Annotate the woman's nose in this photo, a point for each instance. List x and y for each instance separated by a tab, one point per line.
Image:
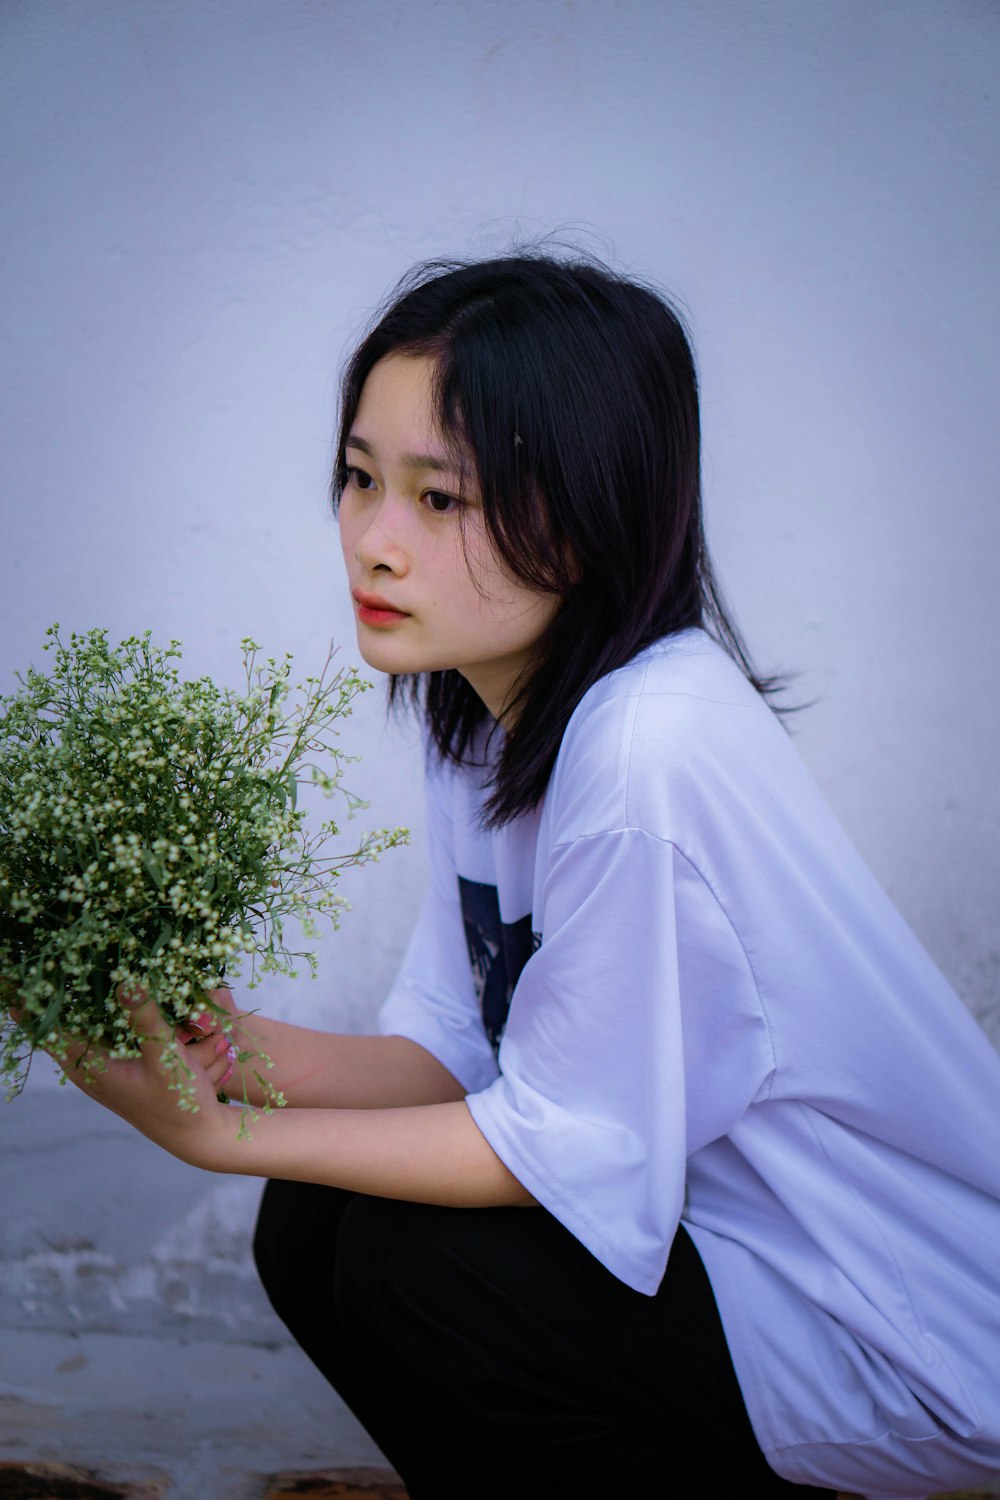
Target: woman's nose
380	543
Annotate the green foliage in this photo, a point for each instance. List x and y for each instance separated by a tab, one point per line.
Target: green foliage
151	837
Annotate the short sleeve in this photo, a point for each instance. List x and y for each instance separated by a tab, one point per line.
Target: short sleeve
433	1000
591	1112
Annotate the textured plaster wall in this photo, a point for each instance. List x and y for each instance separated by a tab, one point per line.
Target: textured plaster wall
204	201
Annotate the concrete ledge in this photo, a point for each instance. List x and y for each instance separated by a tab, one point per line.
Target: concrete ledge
66	1482
63	1482
340	1484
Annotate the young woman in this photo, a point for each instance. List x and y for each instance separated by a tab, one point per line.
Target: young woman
675	1165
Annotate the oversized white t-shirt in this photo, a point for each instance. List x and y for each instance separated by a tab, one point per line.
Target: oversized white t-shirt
716	1015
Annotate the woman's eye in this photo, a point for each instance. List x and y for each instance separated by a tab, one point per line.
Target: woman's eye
358	477
441	503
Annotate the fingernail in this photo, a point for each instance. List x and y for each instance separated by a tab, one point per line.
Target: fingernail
225	1077
222	1045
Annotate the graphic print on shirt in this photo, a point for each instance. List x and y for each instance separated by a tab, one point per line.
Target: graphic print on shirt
498	951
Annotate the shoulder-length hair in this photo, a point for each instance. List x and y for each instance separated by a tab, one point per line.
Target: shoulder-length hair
575	394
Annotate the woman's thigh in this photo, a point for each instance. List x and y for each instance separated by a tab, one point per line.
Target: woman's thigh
486	1349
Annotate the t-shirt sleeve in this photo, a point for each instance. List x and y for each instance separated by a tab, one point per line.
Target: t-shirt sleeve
589	1113
433	1000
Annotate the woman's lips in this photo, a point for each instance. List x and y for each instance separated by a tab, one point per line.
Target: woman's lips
374	610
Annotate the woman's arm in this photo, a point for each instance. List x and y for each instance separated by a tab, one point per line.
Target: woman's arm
427	1151
324	1070
431	1153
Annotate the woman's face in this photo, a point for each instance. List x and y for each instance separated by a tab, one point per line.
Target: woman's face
429	591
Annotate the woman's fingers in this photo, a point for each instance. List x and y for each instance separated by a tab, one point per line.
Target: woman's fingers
224	1030
223	997
146	1019
217	1055
209	1022
230	1060
74	1054
204	1040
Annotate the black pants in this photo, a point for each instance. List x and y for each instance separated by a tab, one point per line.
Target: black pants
490	1355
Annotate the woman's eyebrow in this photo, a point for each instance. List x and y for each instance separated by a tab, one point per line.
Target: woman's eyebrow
440	464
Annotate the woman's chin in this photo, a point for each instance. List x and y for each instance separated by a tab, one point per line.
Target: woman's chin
381	658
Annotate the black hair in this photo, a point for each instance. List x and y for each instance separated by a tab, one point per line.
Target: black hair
574	390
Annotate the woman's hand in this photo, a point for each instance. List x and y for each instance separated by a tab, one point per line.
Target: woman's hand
427	1149
146	1090
207	1038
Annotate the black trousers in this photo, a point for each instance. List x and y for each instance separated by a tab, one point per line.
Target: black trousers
490	1355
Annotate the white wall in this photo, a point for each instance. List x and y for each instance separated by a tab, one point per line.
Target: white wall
204	199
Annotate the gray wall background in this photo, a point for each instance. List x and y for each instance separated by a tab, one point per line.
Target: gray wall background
204	200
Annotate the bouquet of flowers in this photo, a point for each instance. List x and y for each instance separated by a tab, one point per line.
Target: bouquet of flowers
150	837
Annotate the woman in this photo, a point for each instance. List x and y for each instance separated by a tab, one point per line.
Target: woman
675	1162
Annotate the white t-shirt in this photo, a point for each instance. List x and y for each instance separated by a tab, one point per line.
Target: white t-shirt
716	1015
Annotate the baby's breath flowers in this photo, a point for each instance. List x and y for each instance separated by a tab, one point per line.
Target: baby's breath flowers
150	837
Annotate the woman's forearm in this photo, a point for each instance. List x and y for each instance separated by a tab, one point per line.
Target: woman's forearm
431	1153
324	1070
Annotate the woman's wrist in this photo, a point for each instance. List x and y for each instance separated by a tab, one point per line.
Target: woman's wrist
211	1140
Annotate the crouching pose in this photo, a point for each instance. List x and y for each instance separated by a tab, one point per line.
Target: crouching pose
675	1166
